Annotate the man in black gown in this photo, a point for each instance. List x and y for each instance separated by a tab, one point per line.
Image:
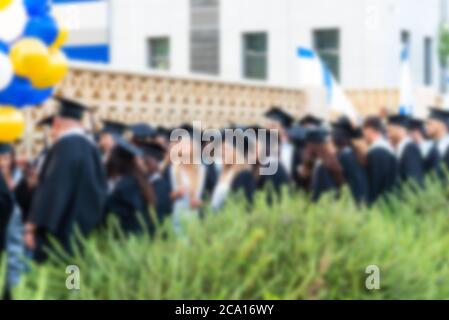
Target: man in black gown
438	130
429	150
381	161
410	160
6	206
72	185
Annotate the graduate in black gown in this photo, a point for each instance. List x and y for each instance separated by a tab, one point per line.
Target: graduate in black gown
154	154
72	185
276	150
108	135
351	161
6	207
381	163
236	178
410	160
25	189
321	166
142	133
130	197
438	130
428	148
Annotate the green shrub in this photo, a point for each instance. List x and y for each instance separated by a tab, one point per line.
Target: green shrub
293	250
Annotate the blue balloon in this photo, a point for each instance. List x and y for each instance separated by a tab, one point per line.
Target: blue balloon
16	94
4	48
20	93
38	96
44	28
37	7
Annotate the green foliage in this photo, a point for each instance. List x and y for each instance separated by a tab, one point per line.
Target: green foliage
293	250
443	49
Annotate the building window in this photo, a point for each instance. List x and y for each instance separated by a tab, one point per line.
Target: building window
159	53
255	56
428	61
205	36
327	46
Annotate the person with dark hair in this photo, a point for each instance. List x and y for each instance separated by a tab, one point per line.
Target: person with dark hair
154	154
429	151
72	185
410	161
352	162
108	136
130	196
438	130
237	176
382	166
321	167
268	155
284	151
6	201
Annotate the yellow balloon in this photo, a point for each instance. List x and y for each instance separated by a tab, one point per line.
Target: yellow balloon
61	40
12	124
5	3
56	71
29	57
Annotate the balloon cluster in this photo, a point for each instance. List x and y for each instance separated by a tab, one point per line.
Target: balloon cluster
31	60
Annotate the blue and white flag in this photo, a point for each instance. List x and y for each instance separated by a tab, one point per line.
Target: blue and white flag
407	99
314	73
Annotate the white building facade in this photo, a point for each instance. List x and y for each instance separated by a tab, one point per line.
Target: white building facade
257	40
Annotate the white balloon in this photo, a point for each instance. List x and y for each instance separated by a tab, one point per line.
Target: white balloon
6	71
13	20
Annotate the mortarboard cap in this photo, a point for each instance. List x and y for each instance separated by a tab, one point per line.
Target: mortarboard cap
142	131
399	120
126	148
343	128
70	109
163	132
154	150
311	120
46	122
278	115
114	128
416	125
317	135
5	148
297	134
440	115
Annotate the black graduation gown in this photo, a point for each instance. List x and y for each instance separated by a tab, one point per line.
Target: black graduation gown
6	207
297	161
164	204
273	184
71	192
322	182
355	175
411	166
128	204
382	173
432	163
245	183
211	179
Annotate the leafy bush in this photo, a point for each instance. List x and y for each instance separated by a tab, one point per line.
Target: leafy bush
293	250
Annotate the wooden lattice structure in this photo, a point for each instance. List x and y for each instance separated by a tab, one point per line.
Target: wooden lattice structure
164	100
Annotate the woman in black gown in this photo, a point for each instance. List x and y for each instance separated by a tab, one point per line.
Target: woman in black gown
130	196
351	160
321	167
